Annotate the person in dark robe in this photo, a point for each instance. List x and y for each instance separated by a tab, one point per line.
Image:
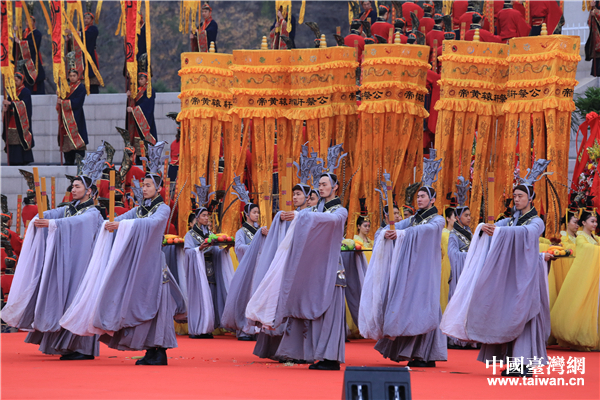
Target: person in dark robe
484	35
511	23
382	26
544	11
502	299
592	46
209	272
51	269
143	112
368	12
356	35
17	134
209	27
407	8
400	302
72	129
34	40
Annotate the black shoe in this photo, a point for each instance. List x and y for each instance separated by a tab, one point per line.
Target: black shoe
76	356
245	338
421	364
526	372
160	358
150	353
303	362
326	365
202	336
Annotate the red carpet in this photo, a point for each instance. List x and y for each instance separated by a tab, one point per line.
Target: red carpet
224	368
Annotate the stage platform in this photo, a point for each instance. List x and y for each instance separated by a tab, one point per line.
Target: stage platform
224	368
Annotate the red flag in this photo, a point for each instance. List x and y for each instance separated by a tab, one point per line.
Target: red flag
4	51
131	35
55	12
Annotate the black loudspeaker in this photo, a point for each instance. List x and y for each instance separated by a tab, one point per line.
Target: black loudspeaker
376	383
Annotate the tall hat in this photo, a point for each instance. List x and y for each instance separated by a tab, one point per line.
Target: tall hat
438	18
240	191
431	169
138	194
75	62
428	9
143	64
303	170
6	215
334	160
154	162
108	164
453	203
90	168
462	188
203	194
173	115
409	195
383	193
587	209
30	197
534	174
507	4
572	210
21	70
355	24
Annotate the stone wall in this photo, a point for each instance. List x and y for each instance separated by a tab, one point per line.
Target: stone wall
102	113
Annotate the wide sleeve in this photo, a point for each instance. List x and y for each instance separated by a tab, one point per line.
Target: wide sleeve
240	244
55	213
456	256
131	214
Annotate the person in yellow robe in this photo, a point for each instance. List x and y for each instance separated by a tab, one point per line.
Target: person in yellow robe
450	216
363	224
574	317
560	267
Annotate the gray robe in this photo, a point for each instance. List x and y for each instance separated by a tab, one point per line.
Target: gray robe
140	298
502	299
247	277
243	238
55	273
355	265
412	311
310	293
458	246
207	285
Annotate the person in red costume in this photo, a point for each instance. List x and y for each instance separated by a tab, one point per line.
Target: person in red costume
382	26
407	8
459	8
434	95
399	27
120	206
355	35
15	241
437	33
484	36
544	11
467	18
511	23
427	21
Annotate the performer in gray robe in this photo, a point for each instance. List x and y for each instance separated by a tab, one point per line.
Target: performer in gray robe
304	286
502	297
209	272
400	303
139	297
250	226
458	246
51	268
